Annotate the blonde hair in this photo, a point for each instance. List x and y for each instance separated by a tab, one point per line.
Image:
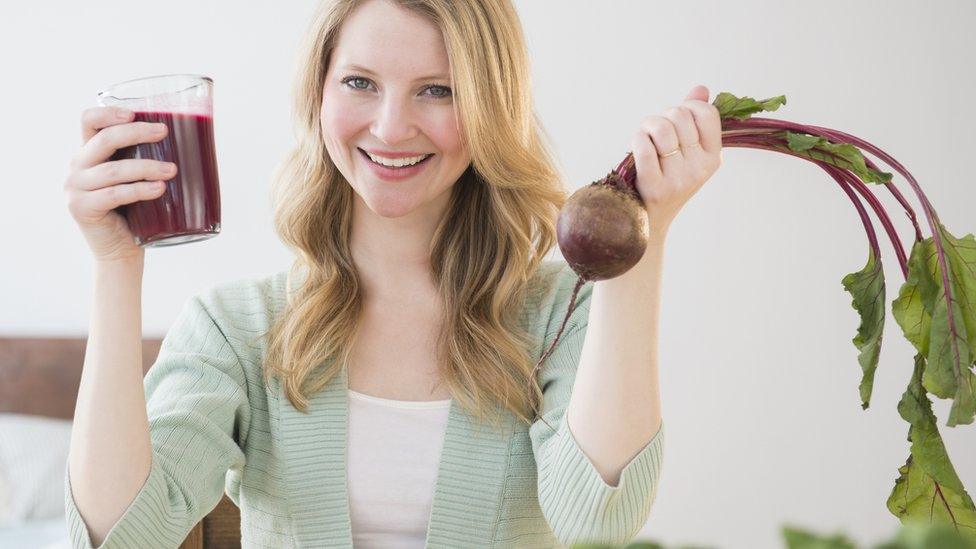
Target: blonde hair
486	250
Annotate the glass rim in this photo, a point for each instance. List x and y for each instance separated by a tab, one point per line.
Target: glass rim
201	77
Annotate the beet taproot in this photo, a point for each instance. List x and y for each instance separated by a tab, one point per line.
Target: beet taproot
603	229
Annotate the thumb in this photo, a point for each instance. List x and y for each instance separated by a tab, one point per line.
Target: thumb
699	93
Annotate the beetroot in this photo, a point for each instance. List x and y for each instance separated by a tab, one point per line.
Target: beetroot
603	230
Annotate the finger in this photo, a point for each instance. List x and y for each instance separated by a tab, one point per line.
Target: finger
665	140
699	92
709	124
123	171
684	126
96	203
103	144
688	135
645	157
96	118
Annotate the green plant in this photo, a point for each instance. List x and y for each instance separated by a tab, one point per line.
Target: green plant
910	535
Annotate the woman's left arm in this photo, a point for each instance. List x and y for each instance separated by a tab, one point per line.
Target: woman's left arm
615	407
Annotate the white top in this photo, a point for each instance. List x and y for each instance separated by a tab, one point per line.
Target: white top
394	448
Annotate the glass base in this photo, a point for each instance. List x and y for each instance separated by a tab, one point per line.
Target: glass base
176	239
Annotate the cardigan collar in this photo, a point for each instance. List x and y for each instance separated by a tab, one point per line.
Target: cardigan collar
467	495
469	489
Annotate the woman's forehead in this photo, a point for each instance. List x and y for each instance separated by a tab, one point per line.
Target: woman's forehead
384	36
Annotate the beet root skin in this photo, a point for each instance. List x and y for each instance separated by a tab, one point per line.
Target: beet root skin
602	230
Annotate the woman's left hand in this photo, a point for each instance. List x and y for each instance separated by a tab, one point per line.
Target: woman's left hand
694	130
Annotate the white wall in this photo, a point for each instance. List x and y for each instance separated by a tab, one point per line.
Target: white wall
759	375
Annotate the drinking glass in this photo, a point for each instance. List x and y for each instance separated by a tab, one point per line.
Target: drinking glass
189	209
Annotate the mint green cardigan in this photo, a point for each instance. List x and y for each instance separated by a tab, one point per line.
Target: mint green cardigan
216	427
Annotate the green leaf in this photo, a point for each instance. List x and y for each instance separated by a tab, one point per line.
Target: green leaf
913	307
867	286
928	488
842	155
800	539
730	106
955	356
927	446
915	496
632	545
941	323
921	535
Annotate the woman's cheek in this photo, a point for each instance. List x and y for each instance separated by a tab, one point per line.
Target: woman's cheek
447	134
337	120
338	129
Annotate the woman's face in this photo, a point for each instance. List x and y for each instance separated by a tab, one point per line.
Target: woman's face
388	90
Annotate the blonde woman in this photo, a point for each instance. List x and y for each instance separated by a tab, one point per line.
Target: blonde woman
379	393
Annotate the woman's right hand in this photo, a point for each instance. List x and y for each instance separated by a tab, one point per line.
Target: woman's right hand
96	185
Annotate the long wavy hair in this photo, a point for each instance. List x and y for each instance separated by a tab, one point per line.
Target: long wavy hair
486	250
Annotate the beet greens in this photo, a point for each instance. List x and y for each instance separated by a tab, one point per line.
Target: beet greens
936	306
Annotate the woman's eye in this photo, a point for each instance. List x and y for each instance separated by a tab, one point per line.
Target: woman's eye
443	91
355	79
435	91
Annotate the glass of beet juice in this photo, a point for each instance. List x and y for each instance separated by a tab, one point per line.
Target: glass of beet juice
189	210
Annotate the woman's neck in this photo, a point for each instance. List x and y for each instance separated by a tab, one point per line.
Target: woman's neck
392	255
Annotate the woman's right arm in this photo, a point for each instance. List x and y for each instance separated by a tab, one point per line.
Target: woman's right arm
149	455
198	411
110	447
111	452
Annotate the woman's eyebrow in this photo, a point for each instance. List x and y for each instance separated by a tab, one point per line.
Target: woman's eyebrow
360	68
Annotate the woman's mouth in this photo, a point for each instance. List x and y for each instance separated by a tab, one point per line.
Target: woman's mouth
390	173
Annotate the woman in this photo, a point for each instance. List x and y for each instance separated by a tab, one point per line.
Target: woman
379	393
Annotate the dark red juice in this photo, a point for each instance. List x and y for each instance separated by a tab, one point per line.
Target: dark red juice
189	210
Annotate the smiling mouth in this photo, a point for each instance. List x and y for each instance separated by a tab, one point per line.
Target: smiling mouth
366	156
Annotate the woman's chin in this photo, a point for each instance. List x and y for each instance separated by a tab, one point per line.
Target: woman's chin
390	206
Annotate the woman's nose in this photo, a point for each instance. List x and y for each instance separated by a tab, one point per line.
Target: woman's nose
394	122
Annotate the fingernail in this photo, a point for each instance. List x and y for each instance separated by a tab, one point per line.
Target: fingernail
123	114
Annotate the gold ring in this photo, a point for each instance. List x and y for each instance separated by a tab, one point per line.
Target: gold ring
676	151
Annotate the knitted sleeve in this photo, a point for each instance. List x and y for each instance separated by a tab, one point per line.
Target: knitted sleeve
197	403
578	504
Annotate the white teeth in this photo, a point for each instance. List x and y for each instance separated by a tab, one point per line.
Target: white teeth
396	162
